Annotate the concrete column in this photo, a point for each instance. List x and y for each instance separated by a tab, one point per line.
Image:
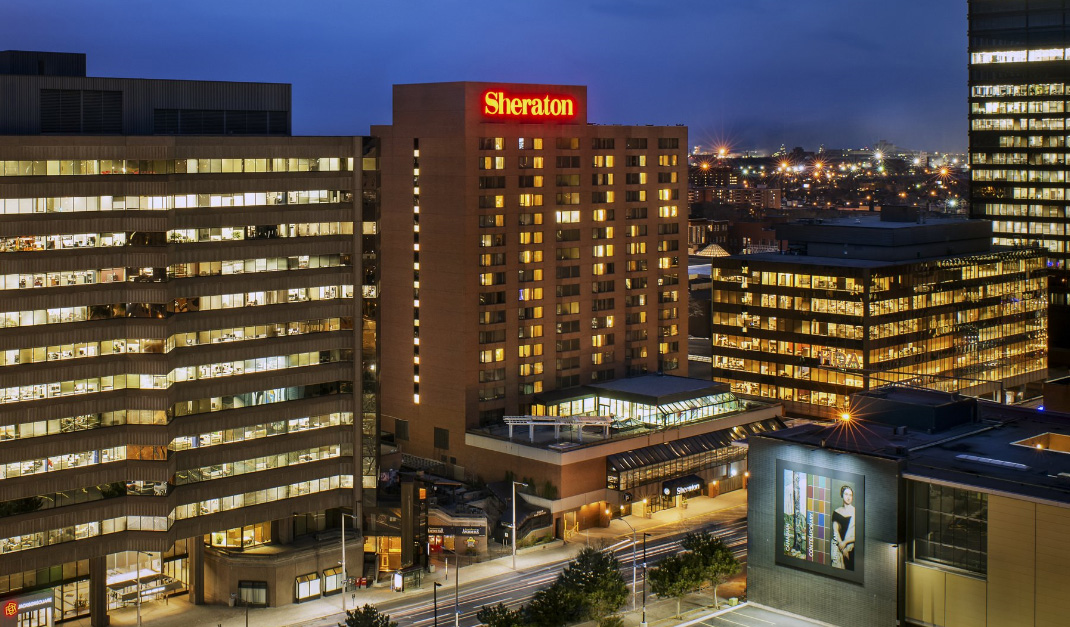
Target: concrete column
195	564
98	592
284	529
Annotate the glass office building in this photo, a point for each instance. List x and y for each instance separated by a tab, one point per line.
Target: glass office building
811	329
1019	69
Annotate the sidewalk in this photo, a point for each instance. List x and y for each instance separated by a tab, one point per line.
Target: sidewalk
179	612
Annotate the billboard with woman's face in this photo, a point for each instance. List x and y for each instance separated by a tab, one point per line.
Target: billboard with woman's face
820	515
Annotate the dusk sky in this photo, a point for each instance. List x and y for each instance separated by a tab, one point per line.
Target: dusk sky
751	73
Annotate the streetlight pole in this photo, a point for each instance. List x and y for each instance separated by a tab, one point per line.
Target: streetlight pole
457	591
634	586
138	559
435	592
645	536
516	528
345	573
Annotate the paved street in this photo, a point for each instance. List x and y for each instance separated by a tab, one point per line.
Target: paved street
487	582
751	616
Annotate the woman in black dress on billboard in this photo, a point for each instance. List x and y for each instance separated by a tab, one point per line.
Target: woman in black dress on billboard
843	531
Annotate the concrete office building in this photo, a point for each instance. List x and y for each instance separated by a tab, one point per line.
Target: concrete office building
862	302
185	363
1018	73
923	508
543	252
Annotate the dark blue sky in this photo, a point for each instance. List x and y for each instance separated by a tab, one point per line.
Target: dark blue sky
753	73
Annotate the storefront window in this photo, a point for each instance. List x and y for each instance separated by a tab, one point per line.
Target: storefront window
253	592
308	587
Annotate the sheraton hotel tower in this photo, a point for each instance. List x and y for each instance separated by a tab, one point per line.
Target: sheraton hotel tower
206	322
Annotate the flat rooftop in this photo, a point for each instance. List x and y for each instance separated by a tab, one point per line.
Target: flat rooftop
652	389
998	452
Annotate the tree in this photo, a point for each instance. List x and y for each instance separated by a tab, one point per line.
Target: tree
675	576
367	616
713	560
552	607
595	577
500	616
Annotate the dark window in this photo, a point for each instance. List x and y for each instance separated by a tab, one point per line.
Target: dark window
636	143
81	111
401	429
668	142
602	143
442	438
950	527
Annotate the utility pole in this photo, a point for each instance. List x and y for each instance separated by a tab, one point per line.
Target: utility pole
435	592
516	527
634	543
457	591
345	573
643	623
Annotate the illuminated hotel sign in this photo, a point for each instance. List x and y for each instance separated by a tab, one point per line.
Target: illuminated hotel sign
499	104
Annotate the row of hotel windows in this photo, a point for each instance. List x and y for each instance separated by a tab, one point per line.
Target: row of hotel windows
120	346
161	489
228	267
975	268
1031	89
562	198
1016	289
92	167
26	243
1017	124
160	523
1017	176
597	215
204	440
1019	56
527	238
823	399
567	162
573	143
988	343
62	315
934	325
1024	211
239	367
1017	106
77	204
1018	158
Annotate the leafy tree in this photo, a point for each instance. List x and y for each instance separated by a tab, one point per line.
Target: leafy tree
675	576
367	616
500	616
713	560
552	607
595	577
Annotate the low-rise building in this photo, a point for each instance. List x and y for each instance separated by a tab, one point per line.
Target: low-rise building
643	444
921	508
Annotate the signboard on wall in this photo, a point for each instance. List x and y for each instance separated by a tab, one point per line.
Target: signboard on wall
12	608
820	520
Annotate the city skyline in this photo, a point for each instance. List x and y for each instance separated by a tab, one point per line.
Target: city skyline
839	75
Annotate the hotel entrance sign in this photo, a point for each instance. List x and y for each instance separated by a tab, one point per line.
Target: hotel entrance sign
499	104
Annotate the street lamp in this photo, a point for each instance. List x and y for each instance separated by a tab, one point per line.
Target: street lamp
633	551
345	573
643	623
435	592
516	527
138	559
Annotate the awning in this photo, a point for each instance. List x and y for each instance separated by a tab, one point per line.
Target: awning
684	447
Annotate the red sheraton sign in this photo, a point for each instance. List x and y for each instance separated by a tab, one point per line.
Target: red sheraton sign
498	104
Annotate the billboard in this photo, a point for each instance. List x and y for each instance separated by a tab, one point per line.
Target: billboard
820	520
